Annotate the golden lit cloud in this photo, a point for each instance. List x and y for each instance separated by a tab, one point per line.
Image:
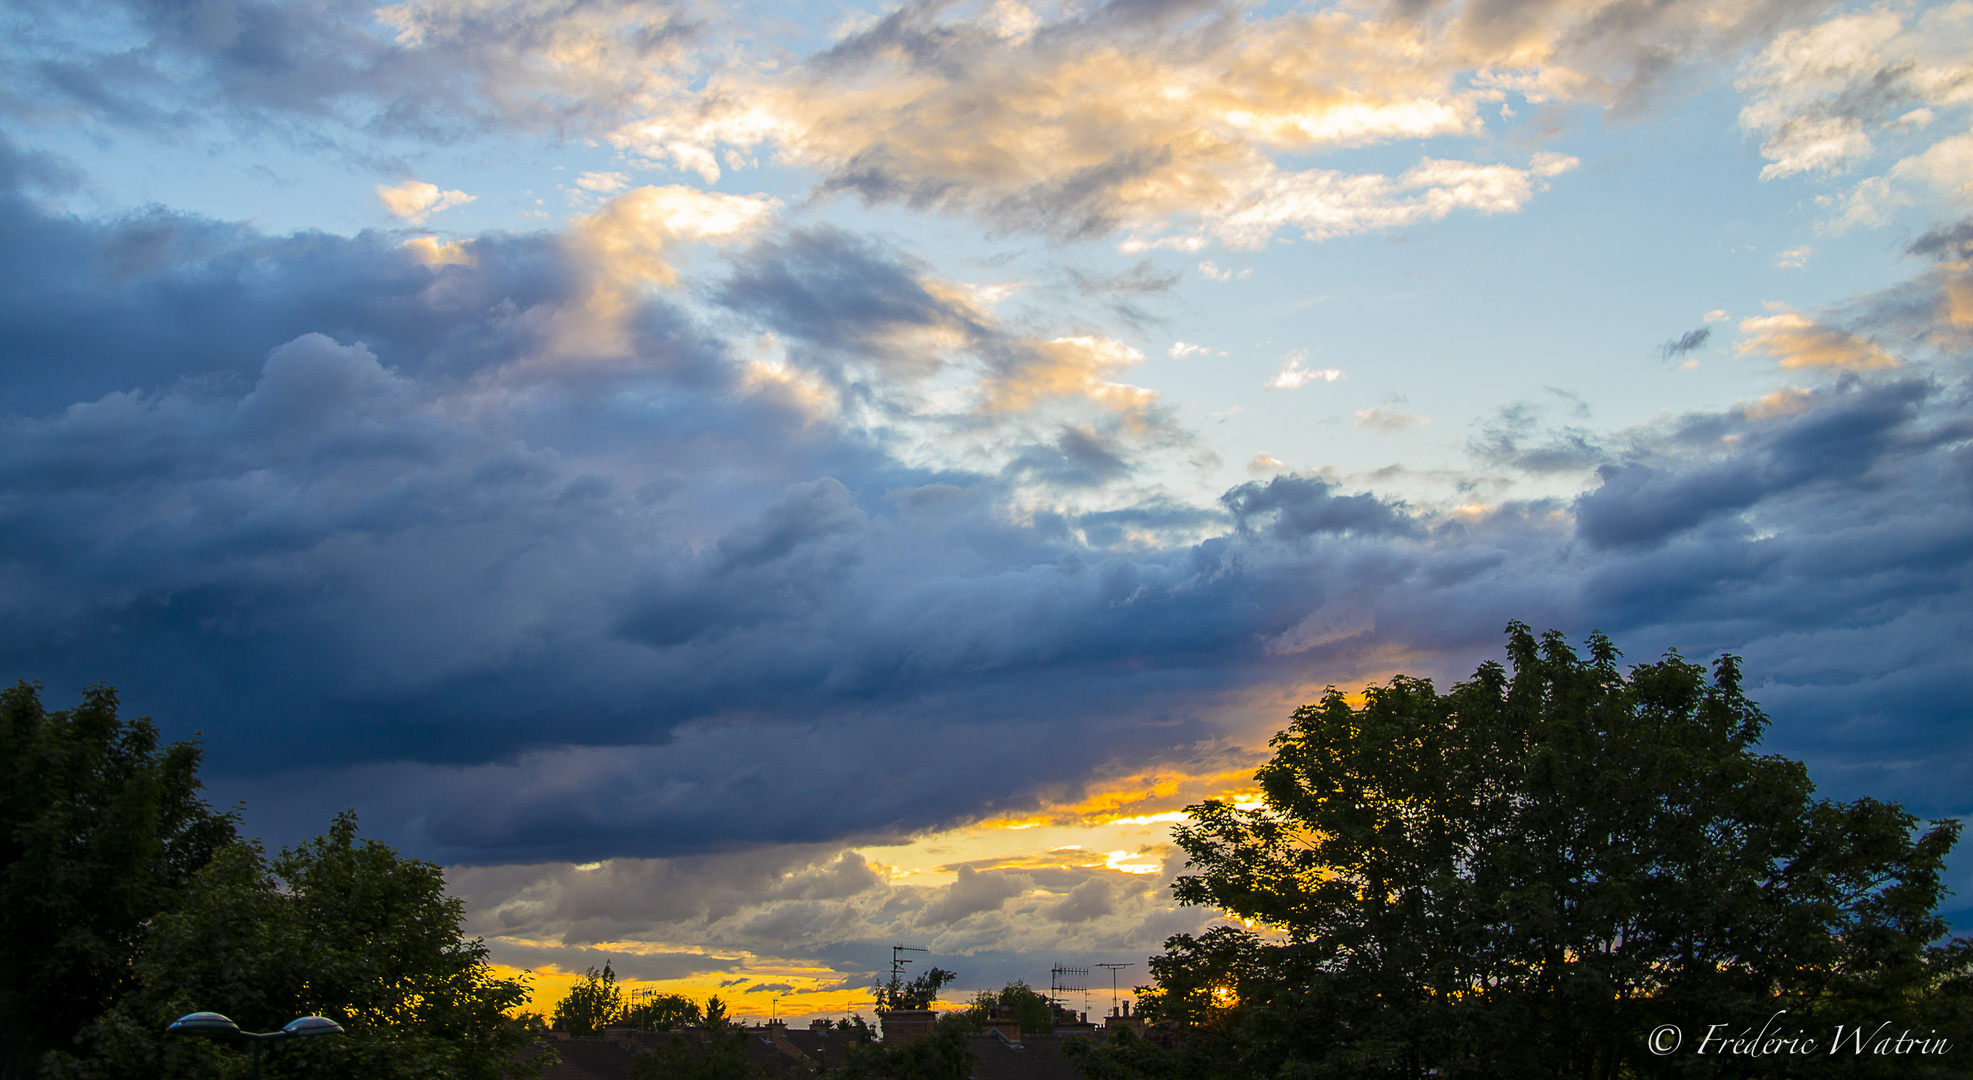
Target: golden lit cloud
1083	133
630	244
1795	341
1062	368
430	251
415	200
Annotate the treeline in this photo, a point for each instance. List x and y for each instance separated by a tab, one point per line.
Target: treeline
1555	869
126	901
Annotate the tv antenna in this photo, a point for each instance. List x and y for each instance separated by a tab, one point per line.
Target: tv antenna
1114	968
1068	980
897	972
898	961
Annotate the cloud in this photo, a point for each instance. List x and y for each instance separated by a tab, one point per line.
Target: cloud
1945	241
1689	342
603	183
1516	438
640	609
1178	126
633	241
1388	419
435	72
973	892
1145	277
1063	367
1334	621
1796	341
1168	133
415	200
1828	99
1089	900
1832	438
1293	376
1299	506
985	922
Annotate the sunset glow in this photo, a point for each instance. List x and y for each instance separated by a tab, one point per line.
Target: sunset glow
747	485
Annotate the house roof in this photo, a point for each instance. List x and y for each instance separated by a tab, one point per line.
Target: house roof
1039	1057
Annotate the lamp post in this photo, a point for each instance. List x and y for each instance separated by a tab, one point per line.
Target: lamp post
214	1026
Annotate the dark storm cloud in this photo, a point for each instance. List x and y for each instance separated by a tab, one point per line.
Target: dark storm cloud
837	291
149	300
1837	440
410	69
971	892
352	517
1293	507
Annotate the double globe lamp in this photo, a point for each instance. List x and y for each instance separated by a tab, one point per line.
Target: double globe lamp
214	1026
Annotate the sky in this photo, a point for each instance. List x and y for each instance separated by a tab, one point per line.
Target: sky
746	485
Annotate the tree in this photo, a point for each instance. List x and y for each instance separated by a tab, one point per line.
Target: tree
663	1012
919	993
945	1054
101	829
1020	1000
592	1004
337	927
1524	876
716	1051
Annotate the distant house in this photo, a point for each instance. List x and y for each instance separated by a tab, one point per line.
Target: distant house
609	1056
1000	1053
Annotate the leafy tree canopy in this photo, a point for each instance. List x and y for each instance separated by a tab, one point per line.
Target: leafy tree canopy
1026	1004
717	1051
1525	875
592	1004
101	828
662	1012
942	1055
337	927
919	993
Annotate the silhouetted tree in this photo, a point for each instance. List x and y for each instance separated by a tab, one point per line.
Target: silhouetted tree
1025	1004
663	1012
943	1055
919	993
101	829
1524	876
337	927
714	1051
592	1004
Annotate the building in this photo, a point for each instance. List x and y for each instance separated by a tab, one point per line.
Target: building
999	1053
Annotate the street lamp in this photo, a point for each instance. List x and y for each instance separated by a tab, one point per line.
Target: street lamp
214	1026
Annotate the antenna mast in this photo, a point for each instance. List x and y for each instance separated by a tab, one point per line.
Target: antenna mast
1068	980
1114	968
887	990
